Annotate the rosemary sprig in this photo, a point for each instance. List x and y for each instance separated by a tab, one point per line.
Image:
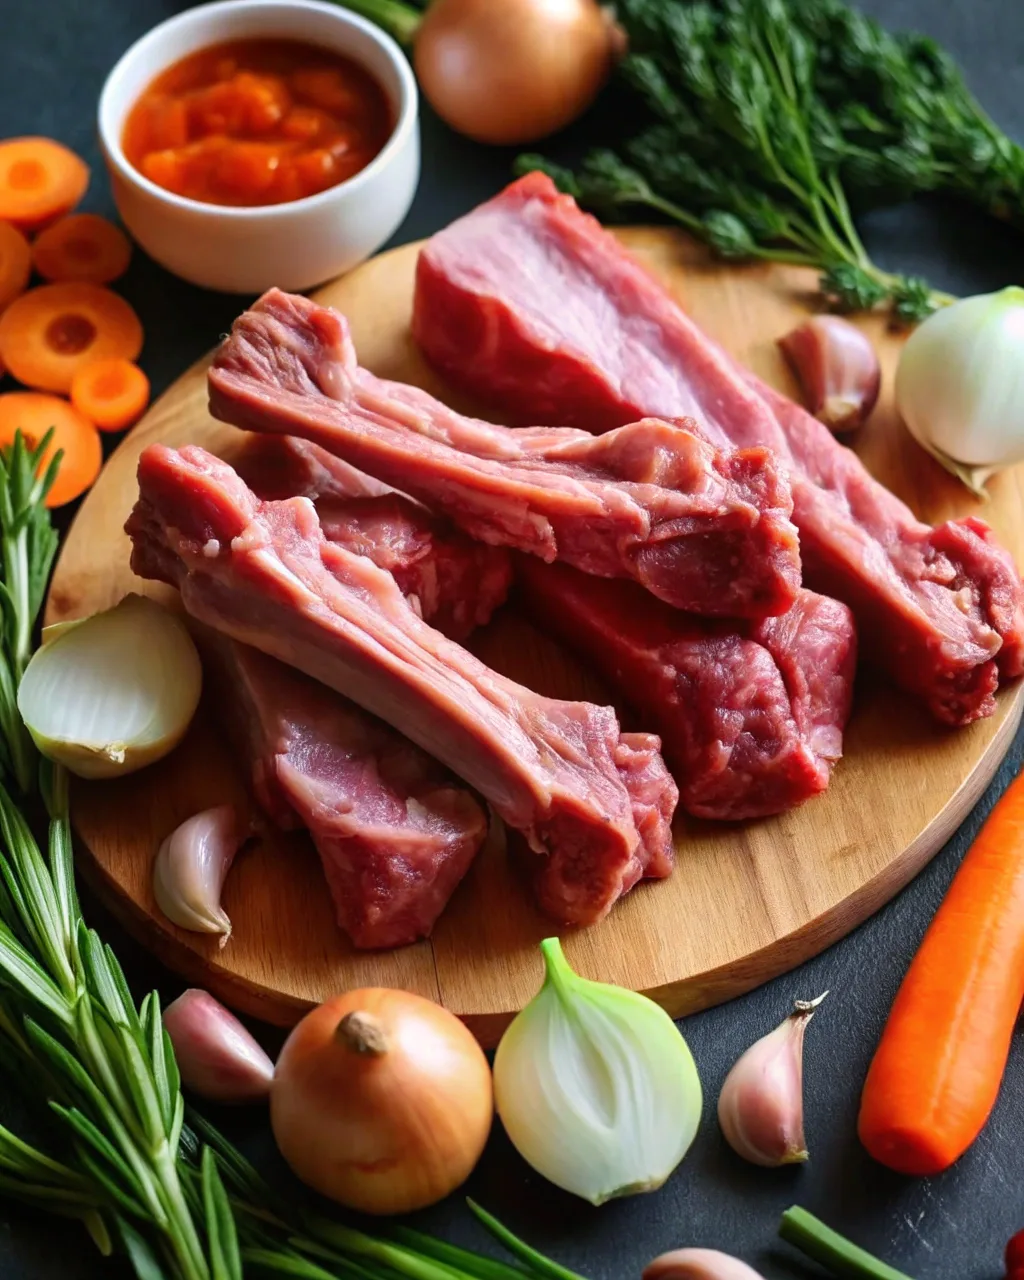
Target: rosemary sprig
28	544
114	1098
284	1239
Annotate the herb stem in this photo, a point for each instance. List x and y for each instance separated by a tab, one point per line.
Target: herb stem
808	1234
518	1248
398	19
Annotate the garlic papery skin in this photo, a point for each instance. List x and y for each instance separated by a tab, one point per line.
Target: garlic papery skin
191	866
761	1107
595	1086
698	1264
960	385
216	1056
837	368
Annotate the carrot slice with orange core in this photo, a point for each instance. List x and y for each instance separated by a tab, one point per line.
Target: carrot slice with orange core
33	414
51	332
110	393
82	246
15	263
39	180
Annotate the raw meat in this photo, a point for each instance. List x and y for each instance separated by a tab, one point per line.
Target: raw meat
594	804
750	716
286	467
454	583
394	830
529	302
704	529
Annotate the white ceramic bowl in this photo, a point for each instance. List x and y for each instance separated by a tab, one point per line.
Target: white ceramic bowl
294	245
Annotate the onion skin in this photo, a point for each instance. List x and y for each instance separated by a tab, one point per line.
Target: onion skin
507	72
381	1101
838	370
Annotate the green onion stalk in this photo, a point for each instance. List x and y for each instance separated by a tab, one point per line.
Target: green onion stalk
817	1241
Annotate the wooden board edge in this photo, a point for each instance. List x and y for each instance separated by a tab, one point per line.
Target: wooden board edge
272	1007
736	978
679	999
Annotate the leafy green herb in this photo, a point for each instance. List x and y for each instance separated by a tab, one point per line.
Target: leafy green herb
99	1072
906	121
768	121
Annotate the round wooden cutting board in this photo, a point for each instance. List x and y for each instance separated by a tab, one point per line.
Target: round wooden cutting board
745	903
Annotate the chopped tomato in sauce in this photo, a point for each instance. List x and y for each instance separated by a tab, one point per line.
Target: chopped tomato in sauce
257	122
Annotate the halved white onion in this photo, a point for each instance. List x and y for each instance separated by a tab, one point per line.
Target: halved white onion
114	692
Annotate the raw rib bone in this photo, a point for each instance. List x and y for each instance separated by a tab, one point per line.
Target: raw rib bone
751	716
394	830
530	303
276	467
704	529
593	803
454	583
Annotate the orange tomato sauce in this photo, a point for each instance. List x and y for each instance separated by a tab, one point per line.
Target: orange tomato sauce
257	122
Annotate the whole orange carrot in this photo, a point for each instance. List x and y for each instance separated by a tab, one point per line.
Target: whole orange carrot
936	1073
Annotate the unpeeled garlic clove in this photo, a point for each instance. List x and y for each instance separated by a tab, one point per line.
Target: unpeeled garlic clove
698	1264
761	1107
216	1056
190	869
837	368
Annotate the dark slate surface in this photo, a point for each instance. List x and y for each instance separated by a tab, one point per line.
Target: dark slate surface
53	58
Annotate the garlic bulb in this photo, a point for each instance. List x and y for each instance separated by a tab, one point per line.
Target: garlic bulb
595	1086
838	370
191	866
216	1055
761	1107
960	385
698	1264
108	694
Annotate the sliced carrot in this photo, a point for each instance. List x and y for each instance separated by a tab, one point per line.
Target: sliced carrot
82	246
110	393
936	1074
39	180
15	263
51	332
33	414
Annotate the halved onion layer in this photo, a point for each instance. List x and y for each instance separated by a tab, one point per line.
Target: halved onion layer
111	693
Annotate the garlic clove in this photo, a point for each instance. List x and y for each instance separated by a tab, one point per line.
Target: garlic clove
216	1056
838	370
190	869
760	1108
698	1264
